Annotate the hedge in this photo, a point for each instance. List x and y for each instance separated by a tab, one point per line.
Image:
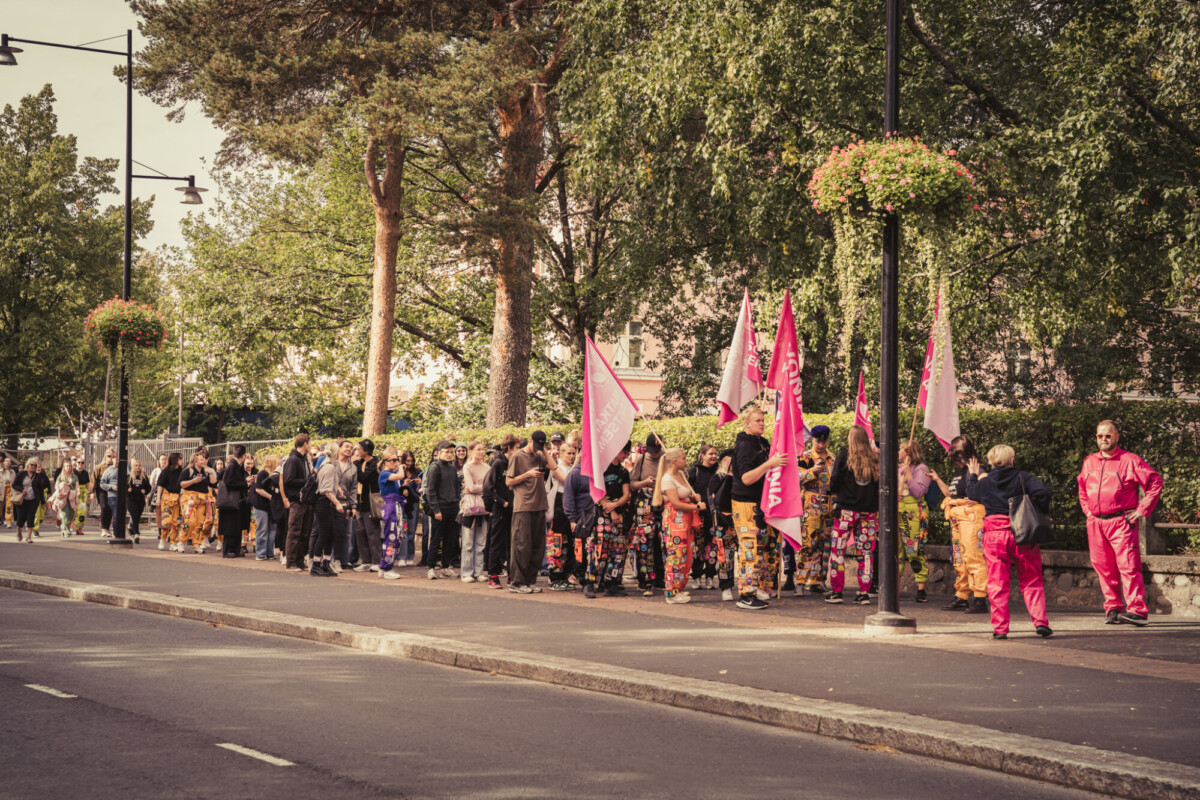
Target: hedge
1050	441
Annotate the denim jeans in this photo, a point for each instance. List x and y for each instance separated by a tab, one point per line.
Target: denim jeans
264	534
407	550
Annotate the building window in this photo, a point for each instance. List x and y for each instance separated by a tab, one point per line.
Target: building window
629	347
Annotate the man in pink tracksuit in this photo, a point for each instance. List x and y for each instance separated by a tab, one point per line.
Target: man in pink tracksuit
1108	494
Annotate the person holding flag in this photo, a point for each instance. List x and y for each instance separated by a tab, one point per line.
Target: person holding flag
758	543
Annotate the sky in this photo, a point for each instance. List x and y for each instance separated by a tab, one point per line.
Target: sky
90	101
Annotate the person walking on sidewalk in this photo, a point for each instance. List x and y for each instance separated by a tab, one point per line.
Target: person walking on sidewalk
296	469
6	478
913	483
526	474
29	492
498	499
139	493
110	460
1108	494
195	501
855	487
65	499
444	493
681	516
167	511
85	484
758	543
108	485
966	532
993	489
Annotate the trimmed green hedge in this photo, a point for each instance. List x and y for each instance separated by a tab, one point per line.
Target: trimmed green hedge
1051	443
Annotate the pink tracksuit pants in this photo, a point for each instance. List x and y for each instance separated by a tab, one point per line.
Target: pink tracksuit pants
1113	546
1000	551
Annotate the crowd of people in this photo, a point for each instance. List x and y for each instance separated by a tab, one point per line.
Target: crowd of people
507	513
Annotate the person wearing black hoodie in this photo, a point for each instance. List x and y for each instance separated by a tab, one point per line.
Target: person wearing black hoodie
229	521
758	543
292	478
704	565
444	493
498	499
855	487
993	489
367	531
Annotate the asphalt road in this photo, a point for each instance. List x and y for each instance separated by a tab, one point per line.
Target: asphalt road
156	697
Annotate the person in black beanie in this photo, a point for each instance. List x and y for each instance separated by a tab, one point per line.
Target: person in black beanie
367	532
498	499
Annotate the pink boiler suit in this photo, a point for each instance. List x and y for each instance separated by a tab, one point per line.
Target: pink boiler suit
1002	552
1108	487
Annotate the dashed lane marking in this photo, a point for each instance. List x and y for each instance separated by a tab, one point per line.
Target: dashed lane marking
37	687
246	751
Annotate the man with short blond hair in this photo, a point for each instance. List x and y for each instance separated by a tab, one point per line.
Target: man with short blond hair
1108	494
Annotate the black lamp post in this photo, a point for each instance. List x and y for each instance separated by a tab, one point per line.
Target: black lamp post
191	197
889	620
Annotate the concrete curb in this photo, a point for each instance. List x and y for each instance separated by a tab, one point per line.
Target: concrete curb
1076	766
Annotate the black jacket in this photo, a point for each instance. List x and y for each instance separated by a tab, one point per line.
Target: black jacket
368	482
234	477
849	494
495	489
1002	483
41	485
443	490
748	452
295	473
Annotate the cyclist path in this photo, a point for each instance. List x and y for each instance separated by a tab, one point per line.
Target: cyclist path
1111	687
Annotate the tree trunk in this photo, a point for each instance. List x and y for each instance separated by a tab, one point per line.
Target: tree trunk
522	124
386	194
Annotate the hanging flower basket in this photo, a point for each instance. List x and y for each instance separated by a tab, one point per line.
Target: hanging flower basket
871	179
126	324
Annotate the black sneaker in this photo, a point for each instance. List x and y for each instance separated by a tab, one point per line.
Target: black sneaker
790	584
1134	619
999	635
613	591
957	604
328	568
862	599
921	596
834	597
751	603
589	592
976	605
1044	631
559	586
1112	617
316	571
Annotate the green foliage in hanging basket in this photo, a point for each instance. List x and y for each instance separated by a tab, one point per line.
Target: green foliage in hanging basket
125	323
870	179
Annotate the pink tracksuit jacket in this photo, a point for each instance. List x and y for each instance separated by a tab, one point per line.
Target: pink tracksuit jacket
1107	488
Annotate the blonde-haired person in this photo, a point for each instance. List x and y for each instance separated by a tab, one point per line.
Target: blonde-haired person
758	543
391	477
855	487
195	501
260	501
473	514
65	499
29	492
681	515
993	489
167	510
138	492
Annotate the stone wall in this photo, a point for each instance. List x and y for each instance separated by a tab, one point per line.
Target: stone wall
1172	582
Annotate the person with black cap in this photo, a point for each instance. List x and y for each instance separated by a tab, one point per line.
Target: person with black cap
367	531
526	476
645	538
498	500
442	488
816	468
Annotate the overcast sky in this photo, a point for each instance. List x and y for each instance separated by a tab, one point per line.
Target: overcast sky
90	100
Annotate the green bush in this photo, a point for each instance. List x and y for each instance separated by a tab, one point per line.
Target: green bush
1050	441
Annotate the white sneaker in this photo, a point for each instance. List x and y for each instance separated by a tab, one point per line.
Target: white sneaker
433	574
363	568
162	544
200	550
282	560
336	567
449	573
763	595
467	579
373	568
308	562
727	595
679	599
390	575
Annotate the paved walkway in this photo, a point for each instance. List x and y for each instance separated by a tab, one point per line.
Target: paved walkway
1115	688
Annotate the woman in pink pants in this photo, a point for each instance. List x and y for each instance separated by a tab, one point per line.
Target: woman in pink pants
993	489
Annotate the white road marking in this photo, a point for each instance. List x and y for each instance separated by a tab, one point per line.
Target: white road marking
37	687
246	751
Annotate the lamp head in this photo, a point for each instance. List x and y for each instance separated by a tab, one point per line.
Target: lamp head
8	53
191	193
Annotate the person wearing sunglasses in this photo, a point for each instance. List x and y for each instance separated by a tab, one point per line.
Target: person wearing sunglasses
1108	494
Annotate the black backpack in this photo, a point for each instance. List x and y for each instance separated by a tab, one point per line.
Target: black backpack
308	492
721	492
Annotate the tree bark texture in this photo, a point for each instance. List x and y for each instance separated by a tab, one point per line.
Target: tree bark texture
387	194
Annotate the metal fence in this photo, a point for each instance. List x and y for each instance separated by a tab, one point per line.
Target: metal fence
223	450
146	451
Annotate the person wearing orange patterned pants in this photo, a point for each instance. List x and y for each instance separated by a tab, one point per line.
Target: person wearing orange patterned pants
681	515
966	532
195	501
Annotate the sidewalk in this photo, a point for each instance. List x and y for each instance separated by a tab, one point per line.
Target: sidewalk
1115	688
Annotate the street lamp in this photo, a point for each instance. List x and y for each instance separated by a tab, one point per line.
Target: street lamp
191	196
889	620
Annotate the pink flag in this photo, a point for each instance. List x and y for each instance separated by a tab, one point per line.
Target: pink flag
784	373
742	379
862	413
939	389
608	413
782	500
